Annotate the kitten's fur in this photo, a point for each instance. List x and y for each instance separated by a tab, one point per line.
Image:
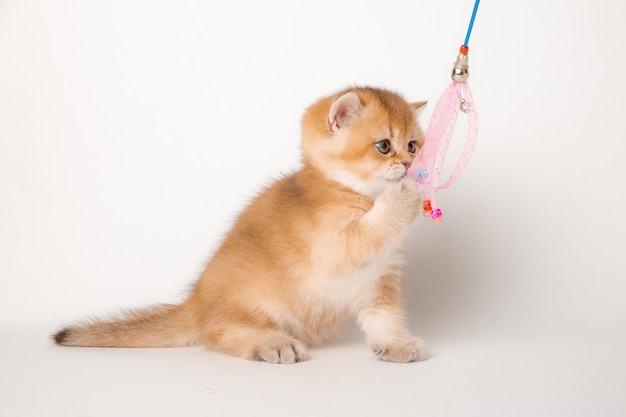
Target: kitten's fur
316	246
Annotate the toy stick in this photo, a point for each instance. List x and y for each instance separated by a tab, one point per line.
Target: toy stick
427	166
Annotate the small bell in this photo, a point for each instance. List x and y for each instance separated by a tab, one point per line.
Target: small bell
460	71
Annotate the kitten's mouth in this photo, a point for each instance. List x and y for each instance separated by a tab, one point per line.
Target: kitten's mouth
395	173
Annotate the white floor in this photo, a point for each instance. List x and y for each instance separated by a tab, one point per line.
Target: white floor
470	377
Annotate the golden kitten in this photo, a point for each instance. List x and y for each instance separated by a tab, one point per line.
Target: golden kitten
316	246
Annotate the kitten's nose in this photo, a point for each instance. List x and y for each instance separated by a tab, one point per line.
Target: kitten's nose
406	164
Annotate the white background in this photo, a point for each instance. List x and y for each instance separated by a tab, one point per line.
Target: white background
132	132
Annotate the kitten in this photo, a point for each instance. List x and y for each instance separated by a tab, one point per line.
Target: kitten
313	248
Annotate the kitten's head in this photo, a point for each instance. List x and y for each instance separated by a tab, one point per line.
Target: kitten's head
363	138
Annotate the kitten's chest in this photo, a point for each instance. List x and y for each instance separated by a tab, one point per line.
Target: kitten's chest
345	289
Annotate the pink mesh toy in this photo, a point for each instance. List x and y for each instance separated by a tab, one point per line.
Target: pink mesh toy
426	168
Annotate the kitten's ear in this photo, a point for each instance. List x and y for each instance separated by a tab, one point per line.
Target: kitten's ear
344	111
418	107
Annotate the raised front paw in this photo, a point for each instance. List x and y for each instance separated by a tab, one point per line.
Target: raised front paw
409	350
404	198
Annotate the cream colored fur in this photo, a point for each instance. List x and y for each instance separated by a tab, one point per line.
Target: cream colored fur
315	247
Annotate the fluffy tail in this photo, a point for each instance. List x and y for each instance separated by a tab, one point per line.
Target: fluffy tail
162	326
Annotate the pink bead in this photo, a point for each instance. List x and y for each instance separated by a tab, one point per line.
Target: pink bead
436	215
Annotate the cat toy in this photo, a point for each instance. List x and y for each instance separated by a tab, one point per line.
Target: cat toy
426	167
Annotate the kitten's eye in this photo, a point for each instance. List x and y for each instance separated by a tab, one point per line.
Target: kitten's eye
384	146
412	147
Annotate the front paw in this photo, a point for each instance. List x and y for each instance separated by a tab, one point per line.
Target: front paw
404	198
280	350
409	350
